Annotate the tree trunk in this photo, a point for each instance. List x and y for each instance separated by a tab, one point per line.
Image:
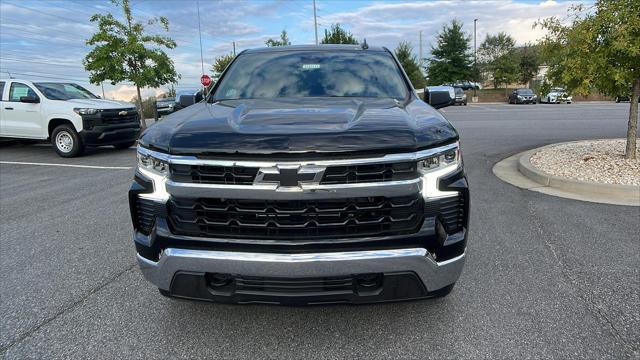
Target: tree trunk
143	123
632	129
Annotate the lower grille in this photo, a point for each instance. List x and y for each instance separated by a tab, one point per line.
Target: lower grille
295	285
450	210
298	219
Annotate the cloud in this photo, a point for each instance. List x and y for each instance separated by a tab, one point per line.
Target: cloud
127	93
49	36
385	24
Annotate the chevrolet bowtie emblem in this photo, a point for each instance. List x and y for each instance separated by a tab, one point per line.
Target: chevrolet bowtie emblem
290	176
123	113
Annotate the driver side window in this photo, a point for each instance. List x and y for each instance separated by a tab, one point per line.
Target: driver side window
19	90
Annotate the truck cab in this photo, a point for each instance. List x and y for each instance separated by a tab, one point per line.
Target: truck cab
67	114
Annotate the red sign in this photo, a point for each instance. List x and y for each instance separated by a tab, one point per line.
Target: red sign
205	80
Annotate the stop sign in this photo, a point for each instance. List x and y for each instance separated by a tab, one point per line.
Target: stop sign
205	80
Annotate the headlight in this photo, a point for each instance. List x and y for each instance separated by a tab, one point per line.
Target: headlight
86	111
152	164
442	160
432	168
519	97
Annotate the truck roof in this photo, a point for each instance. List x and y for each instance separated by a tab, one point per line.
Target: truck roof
41	80
322	47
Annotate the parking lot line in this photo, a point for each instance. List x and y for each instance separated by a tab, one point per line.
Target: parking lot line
67	165
482	107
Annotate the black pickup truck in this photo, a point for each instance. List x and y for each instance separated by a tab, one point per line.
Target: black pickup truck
309	174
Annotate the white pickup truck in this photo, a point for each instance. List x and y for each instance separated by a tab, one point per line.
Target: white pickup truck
67	114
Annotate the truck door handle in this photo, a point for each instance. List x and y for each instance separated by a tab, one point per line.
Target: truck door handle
8	108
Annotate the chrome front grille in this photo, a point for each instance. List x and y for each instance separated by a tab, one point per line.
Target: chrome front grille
296	200
347	174
296	219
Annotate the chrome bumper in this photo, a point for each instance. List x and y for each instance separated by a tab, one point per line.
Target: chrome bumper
434	275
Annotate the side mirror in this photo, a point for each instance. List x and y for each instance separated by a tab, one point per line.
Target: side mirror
439	96
186	100
30	99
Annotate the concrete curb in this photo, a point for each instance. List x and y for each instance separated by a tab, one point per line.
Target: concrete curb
617	193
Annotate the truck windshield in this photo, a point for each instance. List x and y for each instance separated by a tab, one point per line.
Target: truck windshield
280	74
64	91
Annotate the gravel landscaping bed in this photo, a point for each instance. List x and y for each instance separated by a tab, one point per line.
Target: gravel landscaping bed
600	161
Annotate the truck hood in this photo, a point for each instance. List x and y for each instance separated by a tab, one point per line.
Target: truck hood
318	125
99	103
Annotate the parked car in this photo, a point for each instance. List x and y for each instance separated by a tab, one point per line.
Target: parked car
620	98
187	98
289	184
67	114
557	96
465	85
522	96
165	106
461	97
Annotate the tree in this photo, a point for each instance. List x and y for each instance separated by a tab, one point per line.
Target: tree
599	50
221	62
124	52
451	57
284	40
529	63
498	58
337	35
172	91
404	53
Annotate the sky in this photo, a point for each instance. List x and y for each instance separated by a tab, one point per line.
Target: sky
45	39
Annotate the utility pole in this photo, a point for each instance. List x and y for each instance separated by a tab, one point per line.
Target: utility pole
234	48
200	35
315	21
475	54
420	62
475	61
102	86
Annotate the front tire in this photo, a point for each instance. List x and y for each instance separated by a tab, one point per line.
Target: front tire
66	141
124	146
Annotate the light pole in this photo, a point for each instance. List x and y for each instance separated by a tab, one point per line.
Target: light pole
315	21
475	60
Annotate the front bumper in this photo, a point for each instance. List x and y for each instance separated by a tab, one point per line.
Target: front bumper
187	274
526	101
109	135
165	110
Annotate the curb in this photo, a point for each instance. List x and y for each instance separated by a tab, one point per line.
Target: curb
579	187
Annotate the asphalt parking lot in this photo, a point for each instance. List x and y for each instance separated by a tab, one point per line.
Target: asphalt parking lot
545	277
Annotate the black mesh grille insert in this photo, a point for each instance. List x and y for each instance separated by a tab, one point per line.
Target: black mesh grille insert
230	175
114	117
450	210
145	215
296	220
369	173
299	285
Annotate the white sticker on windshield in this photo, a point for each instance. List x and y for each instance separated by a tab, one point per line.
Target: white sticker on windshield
310	66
